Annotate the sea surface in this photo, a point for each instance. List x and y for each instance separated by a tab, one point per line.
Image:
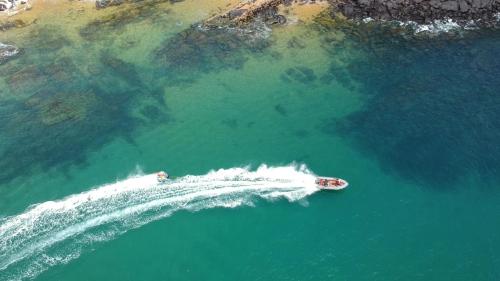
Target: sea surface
244	119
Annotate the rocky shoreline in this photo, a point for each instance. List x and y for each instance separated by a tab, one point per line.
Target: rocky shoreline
479	13
465	13
12	7
246	11
418	13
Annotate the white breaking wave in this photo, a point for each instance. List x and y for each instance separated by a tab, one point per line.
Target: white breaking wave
438	26
55	232
7	50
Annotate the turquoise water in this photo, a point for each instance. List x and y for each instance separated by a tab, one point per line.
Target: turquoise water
410	121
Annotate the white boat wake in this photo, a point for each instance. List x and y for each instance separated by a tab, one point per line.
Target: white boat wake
56	232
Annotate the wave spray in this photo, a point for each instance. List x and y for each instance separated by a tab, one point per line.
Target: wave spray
56	232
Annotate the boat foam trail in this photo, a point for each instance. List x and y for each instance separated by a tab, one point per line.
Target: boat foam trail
55	232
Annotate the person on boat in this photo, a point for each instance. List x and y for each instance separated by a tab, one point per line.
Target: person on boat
161	176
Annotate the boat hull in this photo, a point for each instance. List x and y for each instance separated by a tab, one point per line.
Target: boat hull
328	183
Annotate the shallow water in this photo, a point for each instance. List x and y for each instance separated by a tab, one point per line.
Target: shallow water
95	97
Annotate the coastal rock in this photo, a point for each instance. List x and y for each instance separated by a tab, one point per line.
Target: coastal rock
246	11
480	3
276	19
450	5
236	13
464	7
8	52
100	4
485	12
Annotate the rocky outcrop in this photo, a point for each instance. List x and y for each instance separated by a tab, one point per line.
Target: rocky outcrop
101	4
7	52
13	6
482	12
5	5
249	10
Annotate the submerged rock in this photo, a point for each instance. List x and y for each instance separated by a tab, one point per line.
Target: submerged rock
247	11
8	52
429	109
27	78
115	22
62	107
209	49
123	69
301	74
47	39
101	4
16	23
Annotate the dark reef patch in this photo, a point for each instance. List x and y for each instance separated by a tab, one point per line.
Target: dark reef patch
16	23
339	74
154	113
32	76
47	40
126	76
116	22
231	123
483	12
295	43
54	129
121	68
301	74
201	50
67	114
101	4
432	107
281	110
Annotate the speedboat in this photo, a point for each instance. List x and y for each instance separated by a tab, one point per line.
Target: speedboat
326	183
162	177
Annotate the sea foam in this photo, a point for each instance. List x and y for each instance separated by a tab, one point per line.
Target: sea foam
56	232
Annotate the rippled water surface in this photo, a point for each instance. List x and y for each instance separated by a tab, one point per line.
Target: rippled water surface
98	100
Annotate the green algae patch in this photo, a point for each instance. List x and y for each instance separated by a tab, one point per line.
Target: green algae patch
199	50
47	39
114	23
6	24
63	107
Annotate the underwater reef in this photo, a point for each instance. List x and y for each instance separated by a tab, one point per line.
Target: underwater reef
436	124
67	113
198	50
